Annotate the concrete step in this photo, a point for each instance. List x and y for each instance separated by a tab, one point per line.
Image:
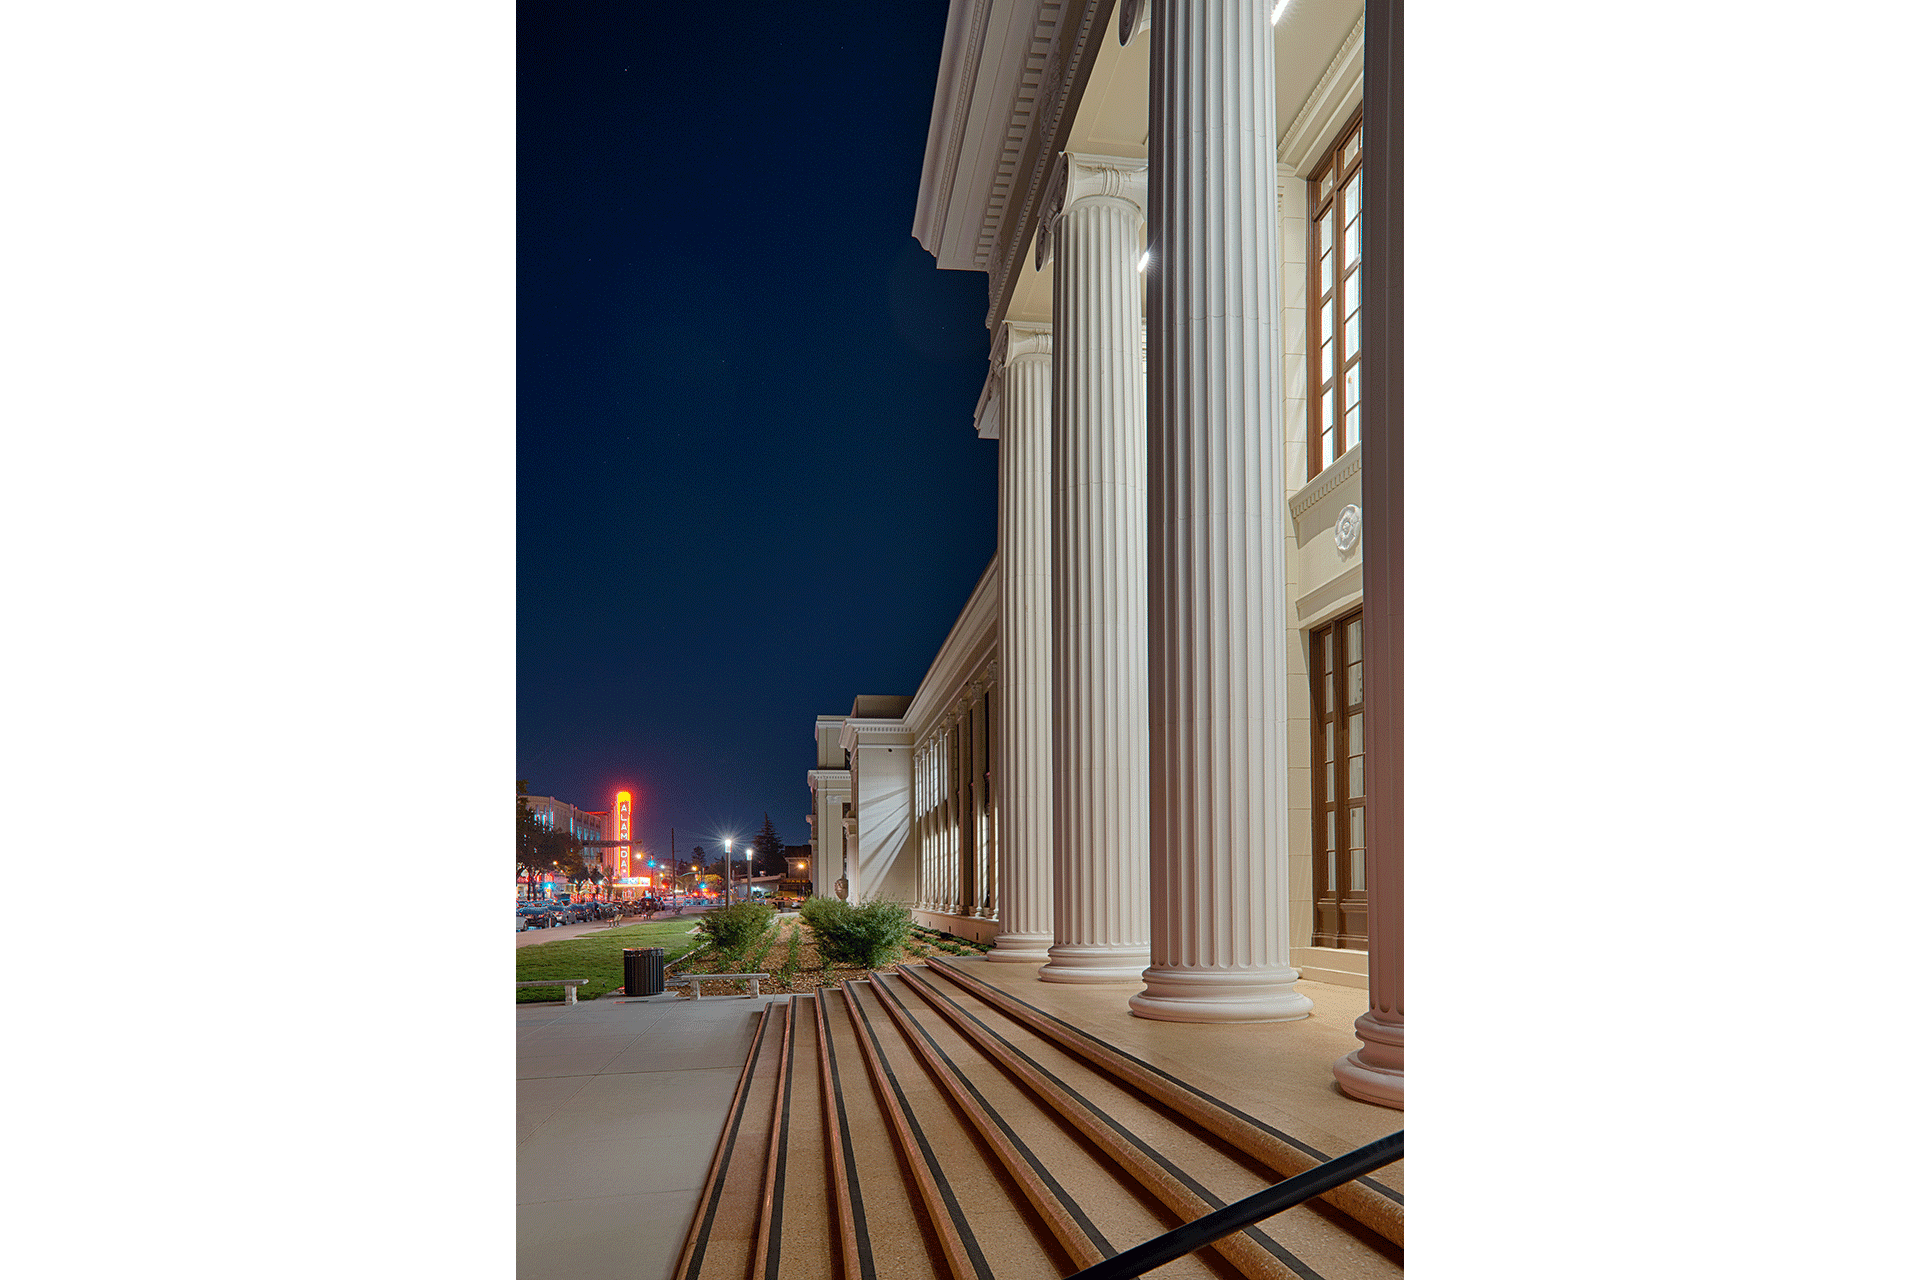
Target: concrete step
928	1125
1069	1182
1188	1168
985	1225
1372	1202
721	1240
796	1237
889	1232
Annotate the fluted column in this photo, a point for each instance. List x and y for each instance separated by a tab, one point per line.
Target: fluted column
963	826
977	804
990	796
949	837
922	831
1023	369
1216	501
1099	574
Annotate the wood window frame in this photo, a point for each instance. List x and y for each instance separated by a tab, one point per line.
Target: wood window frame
1340	909
1340	166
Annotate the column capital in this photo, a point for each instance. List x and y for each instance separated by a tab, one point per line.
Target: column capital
1079	176
1019	338
1015	340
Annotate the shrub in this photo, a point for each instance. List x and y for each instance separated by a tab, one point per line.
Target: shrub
732	927
815	911
867	936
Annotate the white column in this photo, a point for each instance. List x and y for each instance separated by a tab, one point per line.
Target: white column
978	858
1216	578
1099	574
1023	367
990	795
922	831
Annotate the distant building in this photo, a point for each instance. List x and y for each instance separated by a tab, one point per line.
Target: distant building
798	881
587	824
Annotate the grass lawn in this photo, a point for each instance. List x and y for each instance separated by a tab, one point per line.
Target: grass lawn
597	956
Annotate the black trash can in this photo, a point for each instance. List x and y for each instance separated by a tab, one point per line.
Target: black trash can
646	970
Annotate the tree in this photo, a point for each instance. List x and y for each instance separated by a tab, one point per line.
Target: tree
539	848
562	849
768	851
526	837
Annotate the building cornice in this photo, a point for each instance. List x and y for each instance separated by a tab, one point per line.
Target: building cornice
875	733
1330	105
1344	468
971	644
1081	28
1011	76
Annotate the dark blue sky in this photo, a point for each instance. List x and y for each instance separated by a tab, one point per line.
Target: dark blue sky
749	486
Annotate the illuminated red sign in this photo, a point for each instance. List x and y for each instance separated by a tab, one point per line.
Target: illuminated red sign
623	831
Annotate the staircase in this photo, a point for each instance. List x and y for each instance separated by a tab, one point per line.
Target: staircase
933	1124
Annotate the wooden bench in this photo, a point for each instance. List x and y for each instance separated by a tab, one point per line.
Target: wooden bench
571	984
695	979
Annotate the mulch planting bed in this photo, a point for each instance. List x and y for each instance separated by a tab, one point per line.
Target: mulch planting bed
809	972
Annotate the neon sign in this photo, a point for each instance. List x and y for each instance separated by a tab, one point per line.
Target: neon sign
623	831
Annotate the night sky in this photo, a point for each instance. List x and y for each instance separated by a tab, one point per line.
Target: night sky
749	487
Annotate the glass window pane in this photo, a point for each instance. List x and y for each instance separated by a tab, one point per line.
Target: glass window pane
1330	865
1356	777
1326	743
1352	149
1353	639
1327	454
1353	334
1357	871
1357	828
1329	416
1353	242
1329	831
1352	396
1326	361
1328	274
1326	690
1326	649
1353	684
1353	427
1326	234
1356	732
1352	210
1326	316
1352	294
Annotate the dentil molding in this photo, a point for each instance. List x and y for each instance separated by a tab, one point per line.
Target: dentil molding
1344	468
1079	176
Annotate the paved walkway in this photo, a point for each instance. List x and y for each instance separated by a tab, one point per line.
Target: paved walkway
620	1108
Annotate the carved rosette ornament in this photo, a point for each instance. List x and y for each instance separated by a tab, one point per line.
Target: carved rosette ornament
1346	529
1135	16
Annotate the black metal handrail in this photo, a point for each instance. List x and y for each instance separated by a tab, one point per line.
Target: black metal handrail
1242	1214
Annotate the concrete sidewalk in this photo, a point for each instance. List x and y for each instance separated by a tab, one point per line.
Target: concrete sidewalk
620	1108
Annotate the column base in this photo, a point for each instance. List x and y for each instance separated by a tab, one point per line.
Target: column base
1025	948
1373	1072
1095	964
1177	993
